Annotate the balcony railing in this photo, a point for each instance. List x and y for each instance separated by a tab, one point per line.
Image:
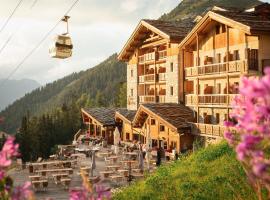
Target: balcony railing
162	54
149	78
210	99
162	77
161	99
209	129
218	68
131	100
147	99
141	79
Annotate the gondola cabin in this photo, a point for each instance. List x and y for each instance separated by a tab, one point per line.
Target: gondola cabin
61	47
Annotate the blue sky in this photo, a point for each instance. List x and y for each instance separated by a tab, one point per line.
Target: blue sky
98	28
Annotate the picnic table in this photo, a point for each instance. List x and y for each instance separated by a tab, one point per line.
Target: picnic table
106	173
114	158
115	167
34	177
123	171
44	171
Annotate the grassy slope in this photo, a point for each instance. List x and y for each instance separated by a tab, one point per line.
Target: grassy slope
211	173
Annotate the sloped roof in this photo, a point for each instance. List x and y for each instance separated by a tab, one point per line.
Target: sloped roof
127	114
250	21
105	116
177	115
176	31
255	21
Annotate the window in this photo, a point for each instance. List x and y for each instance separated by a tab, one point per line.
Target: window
131	92
236	55
171	67
131	73
217	118
253	55
171	90
161	128
217	29
223	28
127	136
153	122
218	58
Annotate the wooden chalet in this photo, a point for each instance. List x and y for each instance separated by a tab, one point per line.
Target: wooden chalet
100	122
153	62
224	45
166	124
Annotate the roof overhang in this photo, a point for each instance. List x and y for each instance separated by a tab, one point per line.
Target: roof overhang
142	111
94	119
208	18
122	117
136	38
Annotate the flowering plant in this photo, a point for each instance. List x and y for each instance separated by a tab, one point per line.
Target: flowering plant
7	191
249	130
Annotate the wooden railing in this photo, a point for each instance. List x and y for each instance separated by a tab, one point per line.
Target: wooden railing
162	54
131	100
162	76
217	68
210	99
149	78
209	129
141	79
161	99
147	99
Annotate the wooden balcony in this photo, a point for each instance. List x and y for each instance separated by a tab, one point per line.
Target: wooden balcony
217	68
210	99
161	99
209	129
131	100
162	77
162	54
147	99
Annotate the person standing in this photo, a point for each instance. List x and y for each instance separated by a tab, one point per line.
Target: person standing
159	155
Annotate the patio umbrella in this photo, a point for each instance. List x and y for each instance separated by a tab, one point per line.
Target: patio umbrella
140	157
116	137
93	163
148	148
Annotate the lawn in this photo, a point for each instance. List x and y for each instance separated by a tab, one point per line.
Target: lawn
210	173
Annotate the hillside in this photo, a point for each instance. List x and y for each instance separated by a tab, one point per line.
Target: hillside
209	174
12	90
192	8
99	81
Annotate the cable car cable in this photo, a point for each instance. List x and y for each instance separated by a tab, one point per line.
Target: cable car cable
11	15
6	43
37	46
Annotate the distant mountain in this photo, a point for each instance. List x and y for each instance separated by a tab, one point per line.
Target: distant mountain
193	8
101	83
15	89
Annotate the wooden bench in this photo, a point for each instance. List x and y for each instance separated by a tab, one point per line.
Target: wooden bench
123	171
66	182
40	184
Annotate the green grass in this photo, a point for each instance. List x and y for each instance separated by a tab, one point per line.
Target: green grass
211	173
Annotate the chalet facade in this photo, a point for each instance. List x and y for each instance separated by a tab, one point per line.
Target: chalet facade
166	125
100	122
153	61
223	45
